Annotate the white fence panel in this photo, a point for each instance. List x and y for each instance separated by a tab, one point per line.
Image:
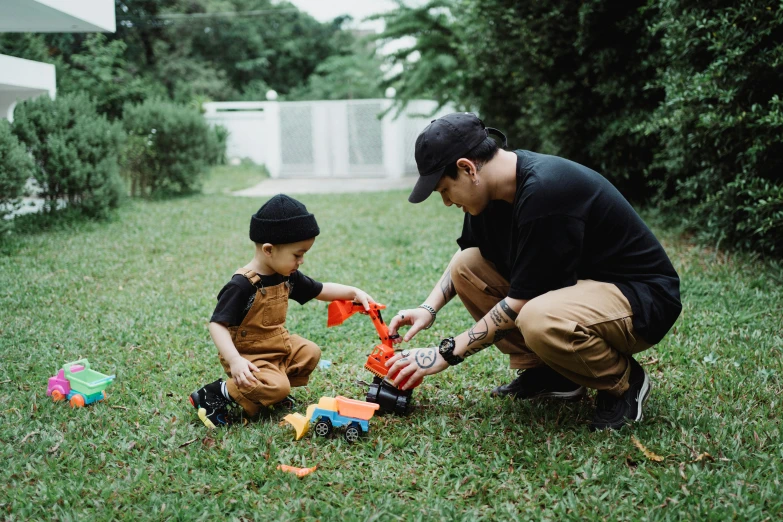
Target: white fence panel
322	139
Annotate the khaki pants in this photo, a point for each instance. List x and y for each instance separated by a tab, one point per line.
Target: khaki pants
584	332
283	360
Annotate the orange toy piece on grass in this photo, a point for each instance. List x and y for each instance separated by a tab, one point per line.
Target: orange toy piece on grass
299	472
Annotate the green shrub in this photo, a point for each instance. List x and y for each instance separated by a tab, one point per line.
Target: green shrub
721	127
76	153
217	145
16	167
169	148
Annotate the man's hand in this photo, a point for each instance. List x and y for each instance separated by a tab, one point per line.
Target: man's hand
242	372
417	318
414	364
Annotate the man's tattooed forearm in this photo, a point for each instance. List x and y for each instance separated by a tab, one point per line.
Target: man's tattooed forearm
497	317
499	336
507	310
478	332
426	358
447	287
476	349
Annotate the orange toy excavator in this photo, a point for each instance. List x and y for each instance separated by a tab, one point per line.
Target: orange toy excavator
382	391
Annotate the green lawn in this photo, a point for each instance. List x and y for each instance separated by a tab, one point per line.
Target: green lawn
134	296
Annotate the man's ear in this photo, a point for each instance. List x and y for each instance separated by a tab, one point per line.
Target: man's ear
267	249
468	166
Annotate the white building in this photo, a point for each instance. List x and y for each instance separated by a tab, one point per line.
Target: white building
22	79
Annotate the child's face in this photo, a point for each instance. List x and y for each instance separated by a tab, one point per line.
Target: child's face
287	258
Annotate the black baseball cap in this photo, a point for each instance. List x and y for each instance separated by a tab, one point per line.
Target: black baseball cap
442	143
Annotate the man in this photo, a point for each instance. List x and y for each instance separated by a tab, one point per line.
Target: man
555	266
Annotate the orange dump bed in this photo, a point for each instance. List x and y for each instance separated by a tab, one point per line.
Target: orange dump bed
356	409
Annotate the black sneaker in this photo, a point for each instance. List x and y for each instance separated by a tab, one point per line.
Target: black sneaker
539	383
287	404
212	406
613	412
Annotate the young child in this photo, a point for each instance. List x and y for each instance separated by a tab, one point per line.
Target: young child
263	359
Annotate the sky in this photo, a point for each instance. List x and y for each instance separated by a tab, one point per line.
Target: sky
327	10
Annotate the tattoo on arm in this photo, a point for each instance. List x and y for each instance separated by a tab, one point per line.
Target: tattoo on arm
507	310
426	358
497	317
501	334
447	287
477	333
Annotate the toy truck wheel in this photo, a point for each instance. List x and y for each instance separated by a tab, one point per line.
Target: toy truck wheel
77	401
103	398
323	428
353	432
57	395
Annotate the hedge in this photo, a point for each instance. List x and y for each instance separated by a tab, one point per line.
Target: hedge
721	125
677	102
16	167
169	148
76	153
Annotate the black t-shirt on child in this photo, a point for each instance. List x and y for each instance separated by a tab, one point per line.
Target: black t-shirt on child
236	298
568	222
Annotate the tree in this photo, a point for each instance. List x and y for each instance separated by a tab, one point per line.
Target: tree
101	70
431	68
354	75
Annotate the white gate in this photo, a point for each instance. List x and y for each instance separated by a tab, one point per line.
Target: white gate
320	139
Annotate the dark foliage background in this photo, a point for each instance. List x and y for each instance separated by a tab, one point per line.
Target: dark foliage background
677	102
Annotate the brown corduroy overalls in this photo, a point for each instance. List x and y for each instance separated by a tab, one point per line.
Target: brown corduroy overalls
284	360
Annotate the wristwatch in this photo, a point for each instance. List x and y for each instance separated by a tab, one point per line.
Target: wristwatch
446	350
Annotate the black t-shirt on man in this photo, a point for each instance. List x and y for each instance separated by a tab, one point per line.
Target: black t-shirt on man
236	298
568	222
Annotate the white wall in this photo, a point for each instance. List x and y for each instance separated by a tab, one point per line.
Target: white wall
322	139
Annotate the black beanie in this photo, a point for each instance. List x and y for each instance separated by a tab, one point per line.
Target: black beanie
281	220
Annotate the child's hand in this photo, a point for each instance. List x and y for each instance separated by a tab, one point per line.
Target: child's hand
364	298
242	372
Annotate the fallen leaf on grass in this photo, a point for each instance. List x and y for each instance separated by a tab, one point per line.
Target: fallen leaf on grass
191	441
120	408
28	436
647	453
209	442
704	456
57	446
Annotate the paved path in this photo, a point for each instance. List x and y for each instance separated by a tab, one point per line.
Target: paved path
270	187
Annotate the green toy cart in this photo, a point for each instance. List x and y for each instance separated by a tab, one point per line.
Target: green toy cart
78	383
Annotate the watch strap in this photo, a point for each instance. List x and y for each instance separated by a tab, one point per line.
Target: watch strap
446	350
